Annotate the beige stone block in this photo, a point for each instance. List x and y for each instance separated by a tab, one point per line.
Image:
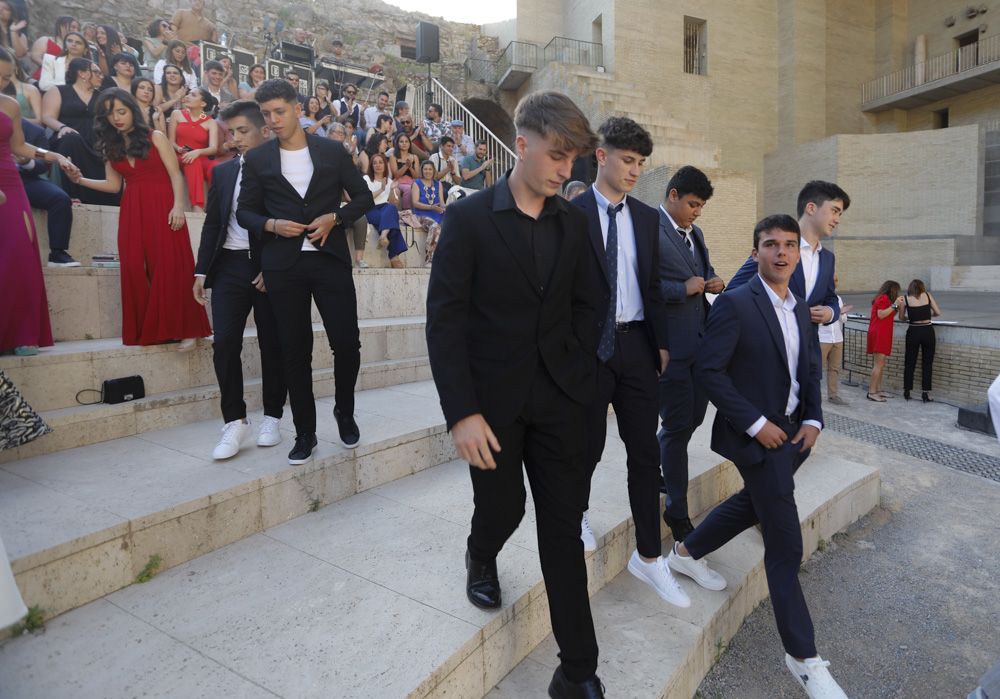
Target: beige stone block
466	680
72	310
291	497
109	304
525	629
391	463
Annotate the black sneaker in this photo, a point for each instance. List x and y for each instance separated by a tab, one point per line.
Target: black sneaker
303	449
61	258
350	435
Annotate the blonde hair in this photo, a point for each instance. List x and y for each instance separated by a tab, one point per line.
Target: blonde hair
549	113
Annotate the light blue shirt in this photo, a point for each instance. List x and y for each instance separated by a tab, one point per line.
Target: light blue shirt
629	296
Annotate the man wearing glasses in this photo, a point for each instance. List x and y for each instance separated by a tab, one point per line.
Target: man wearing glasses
292	77
346	108
415	133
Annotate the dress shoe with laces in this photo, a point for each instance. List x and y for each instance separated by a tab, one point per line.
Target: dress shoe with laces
303	449
680	528
562	688
482	586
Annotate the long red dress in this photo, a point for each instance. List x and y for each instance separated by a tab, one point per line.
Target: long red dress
198	174
24	320
157	265
880	329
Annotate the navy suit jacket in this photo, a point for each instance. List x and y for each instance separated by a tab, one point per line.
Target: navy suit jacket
35	135
685	314
218	209
645	223
742	365
823	294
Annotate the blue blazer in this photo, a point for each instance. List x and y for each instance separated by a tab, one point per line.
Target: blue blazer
823	294
685	314
742	366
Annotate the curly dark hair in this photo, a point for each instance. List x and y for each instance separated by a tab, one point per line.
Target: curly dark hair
75	67
691	180
108	140
276	89
623	133
889	288
373	142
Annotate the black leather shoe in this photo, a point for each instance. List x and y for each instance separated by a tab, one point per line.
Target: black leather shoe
482	586
303	449
906	395
562	688
680	528
350	435
926	398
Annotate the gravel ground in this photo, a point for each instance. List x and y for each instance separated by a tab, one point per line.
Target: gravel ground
906	602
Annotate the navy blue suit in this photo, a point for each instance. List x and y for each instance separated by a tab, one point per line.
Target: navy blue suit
43	194
742	365
823	294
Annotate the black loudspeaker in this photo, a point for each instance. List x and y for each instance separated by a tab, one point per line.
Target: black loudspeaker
428	46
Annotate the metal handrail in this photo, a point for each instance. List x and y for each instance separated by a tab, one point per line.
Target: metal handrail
481	70
502	155
518	53
983	52
562	49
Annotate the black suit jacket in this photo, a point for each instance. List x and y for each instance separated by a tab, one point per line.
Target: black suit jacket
742	365
217	211
265	193
645	224
489	322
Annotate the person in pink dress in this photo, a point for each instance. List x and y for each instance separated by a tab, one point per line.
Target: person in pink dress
24	323
157	264
885	305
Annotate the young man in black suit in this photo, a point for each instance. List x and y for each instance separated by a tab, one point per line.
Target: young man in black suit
510	334
758	365
229	265
290	198
632	349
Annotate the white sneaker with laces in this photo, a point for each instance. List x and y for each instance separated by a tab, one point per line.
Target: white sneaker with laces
813	677
657	575
232	436
697	570
587	535
269	433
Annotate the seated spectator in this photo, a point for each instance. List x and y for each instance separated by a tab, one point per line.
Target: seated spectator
408	127
573	189
110	45
12	36
228	76
477	172
89	31
96	77
323	95
384	216
176	55
295	79
255	76
69	111
52	45
433	128
160	33
464	144
44	195
384	124
446	164
346	108
54	67
144	92
400	110
351	140
124	69
195	136
312	121
404	167
429	207
171	91
13	84
213	75
380	108
192	25
378	143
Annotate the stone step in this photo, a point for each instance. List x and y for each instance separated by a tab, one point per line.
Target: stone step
83	523
52	379
85	302
831	493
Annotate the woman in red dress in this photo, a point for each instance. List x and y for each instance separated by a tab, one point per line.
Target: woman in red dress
195	136
157	264
884	307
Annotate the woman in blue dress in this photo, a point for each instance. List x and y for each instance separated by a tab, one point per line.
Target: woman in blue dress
429	206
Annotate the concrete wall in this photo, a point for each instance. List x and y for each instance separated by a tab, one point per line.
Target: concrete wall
927	17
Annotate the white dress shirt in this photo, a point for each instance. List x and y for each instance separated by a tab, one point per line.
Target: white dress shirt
784	310
676	228
237	237
834	332
809	258
629	296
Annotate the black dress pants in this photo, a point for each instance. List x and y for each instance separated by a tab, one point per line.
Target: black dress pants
628	381
42	194
549	438
682	409
328	281
919	338
768	497
233	297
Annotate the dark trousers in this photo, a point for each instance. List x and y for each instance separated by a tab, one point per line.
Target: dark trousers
768	497
549	438
682	410
325	279
91	164
919	338
628	381
42	194
233	297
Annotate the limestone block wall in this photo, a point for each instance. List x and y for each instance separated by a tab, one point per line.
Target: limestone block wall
927	17
863	265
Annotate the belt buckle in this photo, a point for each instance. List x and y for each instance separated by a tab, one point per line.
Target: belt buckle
621	327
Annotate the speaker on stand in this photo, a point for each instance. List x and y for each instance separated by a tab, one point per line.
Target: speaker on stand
428	51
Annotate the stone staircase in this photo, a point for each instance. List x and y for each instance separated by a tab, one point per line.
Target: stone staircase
343	577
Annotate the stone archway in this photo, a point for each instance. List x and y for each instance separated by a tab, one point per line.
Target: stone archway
494	117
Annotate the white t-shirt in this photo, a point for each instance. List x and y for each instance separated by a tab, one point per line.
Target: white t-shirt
834	332
297	168
189	78
374	186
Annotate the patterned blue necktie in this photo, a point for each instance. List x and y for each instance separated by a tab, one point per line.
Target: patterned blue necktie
606	347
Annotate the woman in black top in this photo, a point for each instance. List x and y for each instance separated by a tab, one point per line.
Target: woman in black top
919	307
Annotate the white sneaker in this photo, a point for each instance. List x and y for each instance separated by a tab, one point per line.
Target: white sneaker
697	570
657	575
813	677
232	435
587	535
269	433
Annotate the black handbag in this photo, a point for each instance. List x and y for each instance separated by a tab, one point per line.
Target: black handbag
123	389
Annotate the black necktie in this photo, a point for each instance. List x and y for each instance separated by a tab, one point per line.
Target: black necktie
606	347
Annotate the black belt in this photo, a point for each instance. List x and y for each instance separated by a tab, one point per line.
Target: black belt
241	253
629	326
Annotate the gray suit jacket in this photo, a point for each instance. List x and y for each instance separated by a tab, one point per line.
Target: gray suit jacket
685	314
